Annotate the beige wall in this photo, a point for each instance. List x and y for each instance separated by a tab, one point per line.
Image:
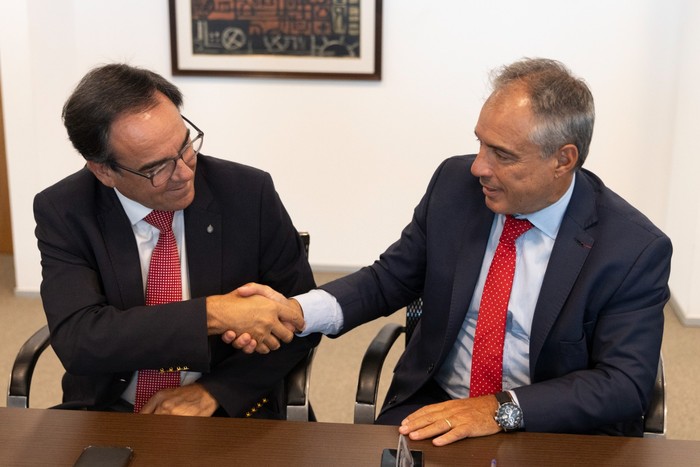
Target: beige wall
5	221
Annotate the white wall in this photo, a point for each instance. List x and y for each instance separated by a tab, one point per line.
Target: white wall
683	209
352	159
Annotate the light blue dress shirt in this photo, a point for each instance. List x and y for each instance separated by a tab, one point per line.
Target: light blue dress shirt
323	313
533	249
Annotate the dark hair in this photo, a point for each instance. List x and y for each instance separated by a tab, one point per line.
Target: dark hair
562	103
104	94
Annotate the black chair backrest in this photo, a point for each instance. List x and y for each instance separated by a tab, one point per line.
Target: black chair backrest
413	314
306	239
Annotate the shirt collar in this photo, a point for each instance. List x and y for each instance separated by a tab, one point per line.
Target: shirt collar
548	220
134	211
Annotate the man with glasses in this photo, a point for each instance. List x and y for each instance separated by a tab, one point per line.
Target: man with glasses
119	332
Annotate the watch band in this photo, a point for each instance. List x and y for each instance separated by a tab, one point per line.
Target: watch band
504	397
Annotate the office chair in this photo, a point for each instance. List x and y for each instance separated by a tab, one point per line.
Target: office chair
296	381
376	353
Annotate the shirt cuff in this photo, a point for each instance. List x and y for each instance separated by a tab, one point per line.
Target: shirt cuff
322	313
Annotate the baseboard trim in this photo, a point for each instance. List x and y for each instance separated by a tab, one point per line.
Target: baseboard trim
27	293
678	310
329	268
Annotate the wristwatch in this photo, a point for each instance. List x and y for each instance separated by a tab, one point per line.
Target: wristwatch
509	416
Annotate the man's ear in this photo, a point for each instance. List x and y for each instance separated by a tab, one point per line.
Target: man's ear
103	173
567	158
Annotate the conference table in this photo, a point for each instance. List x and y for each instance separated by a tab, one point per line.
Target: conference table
43	437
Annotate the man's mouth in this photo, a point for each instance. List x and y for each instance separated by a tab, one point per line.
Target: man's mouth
488	190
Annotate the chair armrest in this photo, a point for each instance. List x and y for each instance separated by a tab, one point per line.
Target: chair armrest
655	416
371	370
23	368
297	389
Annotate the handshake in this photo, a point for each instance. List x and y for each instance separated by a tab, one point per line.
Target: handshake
254	317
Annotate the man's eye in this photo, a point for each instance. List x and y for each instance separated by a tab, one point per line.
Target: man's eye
503	156
153	172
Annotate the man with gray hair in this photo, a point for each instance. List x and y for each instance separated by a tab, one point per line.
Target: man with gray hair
543	290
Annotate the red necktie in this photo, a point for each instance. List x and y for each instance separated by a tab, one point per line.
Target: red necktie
487	355
164	285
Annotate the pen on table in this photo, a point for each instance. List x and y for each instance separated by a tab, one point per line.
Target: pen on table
493	462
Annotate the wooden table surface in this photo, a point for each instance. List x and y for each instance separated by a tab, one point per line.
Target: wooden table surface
55	437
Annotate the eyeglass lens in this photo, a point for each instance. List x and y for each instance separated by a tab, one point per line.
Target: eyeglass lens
187	154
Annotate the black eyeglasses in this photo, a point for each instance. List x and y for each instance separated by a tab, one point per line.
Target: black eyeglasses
162	172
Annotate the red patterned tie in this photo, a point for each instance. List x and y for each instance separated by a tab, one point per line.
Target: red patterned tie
164	285
487	355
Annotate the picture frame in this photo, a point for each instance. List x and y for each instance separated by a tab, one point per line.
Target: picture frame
313	39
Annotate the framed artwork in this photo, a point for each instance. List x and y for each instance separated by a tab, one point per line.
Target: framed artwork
319	39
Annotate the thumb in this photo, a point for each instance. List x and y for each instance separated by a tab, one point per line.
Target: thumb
292	314
252	288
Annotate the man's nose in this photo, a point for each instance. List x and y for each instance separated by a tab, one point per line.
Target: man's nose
182	170
480	167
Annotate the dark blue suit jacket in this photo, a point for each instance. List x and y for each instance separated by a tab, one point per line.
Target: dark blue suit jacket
597	327
92	287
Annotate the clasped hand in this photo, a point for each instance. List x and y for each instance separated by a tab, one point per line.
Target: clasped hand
253	318
191	400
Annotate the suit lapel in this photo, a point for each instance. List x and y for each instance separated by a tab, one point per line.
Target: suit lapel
469	258
571	248
121	248
203	234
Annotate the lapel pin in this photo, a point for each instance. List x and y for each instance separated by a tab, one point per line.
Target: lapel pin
210	229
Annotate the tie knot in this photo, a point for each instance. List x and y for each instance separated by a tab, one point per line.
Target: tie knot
161	220
514	228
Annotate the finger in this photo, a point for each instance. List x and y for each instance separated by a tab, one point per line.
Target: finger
423	416
430	420
281	332
272	343
251	347
152	404
228	337
262	348
448	438
242	341
415	426
436	428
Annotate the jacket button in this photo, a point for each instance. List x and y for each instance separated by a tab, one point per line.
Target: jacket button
430	368
393	400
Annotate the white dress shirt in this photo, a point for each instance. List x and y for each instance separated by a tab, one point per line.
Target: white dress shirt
146	237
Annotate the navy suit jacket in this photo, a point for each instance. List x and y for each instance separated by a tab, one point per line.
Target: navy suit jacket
236	231
597	326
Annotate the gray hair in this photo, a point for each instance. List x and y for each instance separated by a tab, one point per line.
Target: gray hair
561	103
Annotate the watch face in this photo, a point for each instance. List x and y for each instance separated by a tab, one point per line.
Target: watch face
509	416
